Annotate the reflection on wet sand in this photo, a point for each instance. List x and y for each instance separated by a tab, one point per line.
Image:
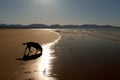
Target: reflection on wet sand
44	63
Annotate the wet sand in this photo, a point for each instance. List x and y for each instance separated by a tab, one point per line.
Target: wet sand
11	49
83	56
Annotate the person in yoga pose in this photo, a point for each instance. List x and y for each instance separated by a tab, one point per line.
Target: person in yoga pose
35	45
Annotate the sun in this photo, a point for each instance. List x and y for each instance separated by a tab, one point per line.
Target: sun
47	1
44	1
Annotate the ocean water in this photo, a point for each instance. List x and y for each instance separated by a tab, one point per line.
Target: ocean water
107	33
87	54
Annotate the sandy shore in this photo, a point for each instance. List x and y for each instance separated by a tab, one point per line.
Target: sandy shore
11	48
78	55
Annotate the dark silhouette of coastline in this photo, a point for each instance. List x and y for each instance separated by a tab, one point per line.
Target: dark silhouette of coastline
19	26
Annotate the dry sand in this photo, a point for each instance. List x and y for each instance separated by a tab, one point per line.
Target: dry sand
11	48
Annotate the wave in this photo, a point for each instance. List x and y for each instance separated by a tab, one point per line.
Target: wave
113	35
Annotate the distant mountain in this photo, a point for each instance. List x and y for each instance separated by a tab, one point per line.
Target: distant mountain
3	25
55	26
84	26
97	26
11	26
37	26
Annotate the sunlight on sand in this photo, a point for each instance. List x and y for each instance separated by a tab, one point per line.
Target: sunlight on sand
44	64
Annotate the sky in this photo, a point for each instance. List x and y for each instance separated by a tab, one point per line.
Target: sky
101	12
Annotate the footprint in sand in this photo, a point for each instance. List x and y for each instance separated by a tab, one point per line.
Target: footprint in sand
26	72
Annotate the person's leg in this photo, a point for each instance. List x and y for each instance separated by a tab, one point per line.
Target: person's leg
25	50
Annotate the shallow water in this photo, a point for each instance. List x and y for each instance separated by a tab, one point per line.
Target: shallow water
83	56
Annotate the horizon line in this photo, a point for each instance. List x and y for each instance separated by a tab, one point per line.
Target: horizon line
59	24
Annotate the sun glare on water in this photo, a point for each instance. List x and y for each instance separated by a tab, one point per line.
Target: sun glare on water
45	66
44	63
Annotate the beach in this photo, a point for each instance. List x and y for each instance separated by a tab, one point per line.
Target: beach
68	54
11	49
